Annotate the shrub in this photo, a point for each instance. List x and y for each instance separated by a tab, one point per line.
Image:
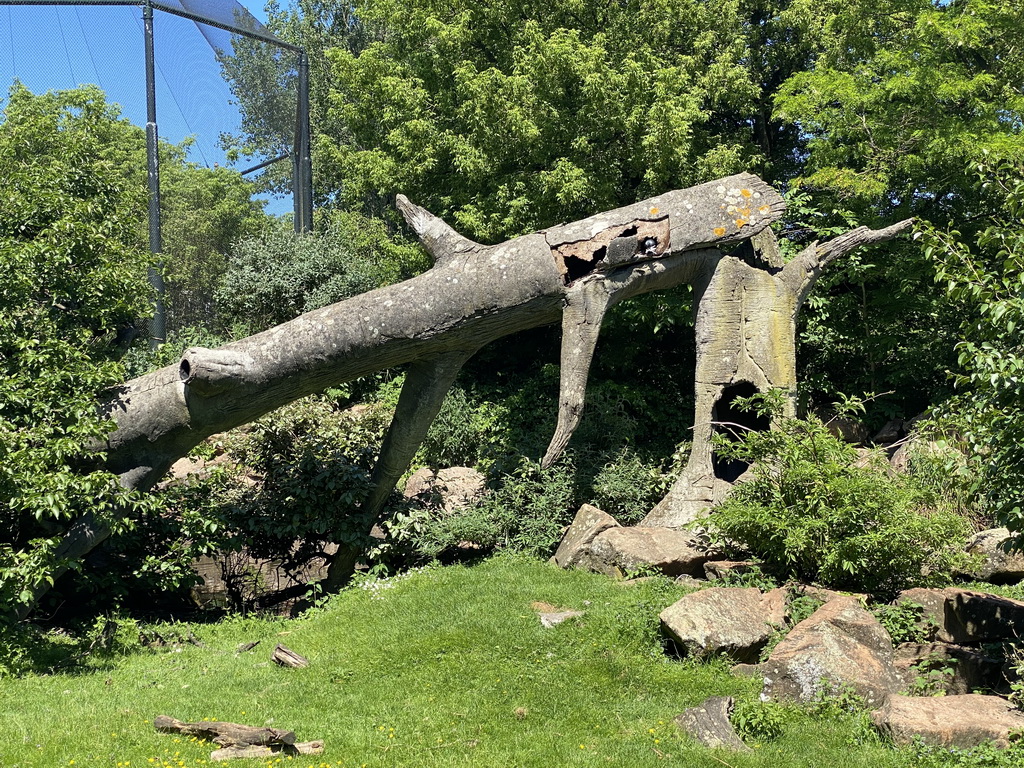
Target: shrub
525	513
313	460
279	275
73	276
814	513
627	487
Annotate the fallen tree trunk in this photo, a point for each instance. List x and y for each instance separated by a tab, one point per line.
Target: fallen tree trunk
473	295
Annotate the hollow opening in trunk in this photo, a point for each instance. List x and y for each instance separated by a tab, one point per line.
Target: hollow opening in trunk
734	422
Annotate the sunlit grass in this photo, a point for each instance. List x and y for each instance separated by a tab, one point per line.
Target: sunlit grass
446	667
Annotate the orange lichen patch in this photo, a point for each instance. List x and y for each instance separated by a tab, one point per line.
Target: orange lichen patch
654	211
745	212
746	192
740	222
764	208
719	231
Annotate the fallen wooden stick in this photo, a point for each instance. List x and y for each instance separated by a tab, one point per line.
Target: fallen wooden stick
286	657
226	734
301	748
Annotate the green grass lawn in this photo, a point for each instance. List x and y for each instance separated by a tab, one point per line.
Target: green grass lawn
443	667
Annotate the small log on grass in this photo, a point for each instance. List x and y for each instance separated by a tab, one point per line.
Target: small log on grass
226	734
709	724
286	657
301	748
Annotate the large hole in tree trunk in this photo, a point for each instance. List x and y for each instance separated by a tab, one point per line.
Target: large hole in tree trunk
734	422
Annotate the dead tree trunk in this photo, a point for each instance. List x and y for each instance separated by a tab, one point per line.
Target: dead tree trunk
473	295
747	306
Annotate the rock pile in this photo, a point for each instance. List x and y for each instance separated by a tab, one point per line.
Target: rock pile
841	647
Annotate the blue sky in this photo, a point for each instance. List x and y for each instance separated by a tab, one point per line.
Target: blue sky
58	47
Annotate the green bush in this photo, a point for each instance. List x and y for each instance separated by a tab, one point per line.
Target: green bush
627	487
313	460
813	512
279	275
526	513
73	276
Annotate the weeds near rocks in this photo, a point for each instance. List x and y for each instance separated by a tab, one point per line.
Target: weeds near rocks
905	622
759	721
934	672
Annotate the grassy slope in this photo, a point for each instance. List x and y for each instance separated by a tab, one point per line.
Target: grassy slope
446	667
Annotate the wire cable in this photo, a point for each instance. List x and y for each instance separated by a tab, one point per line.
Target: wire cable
64	40
174	98
88	48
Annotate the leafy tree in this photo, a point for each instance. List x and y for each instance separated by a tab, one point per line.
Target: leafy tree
204	211
986	279
72	276
895	106
508	117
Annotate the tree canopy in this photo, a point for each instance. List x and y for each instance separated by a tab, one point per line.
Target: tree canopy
73	275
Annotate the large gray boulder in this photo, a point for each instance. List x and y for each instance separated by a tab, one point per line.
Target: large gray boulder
948	721
997	565
619	551
575	547
733	621
840	646
961	616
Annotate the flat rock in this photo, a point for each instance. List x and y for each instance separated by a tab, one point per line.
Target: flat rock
447	490
733	621
719	569
961	616
948	721
575	547
617	551
550	619
709	724
998	566
841	645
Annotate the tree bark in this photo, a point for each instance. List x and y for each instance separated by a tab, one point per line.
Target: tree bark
746	311
473	295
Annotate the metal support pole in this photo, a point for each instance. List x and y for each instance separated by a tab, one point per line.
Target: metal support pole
302	177
158	325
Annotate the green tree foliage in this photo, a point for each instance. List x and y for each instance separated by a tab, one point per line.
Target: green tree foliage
986	280
898	103
72	276
508	119
204	211
278	275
